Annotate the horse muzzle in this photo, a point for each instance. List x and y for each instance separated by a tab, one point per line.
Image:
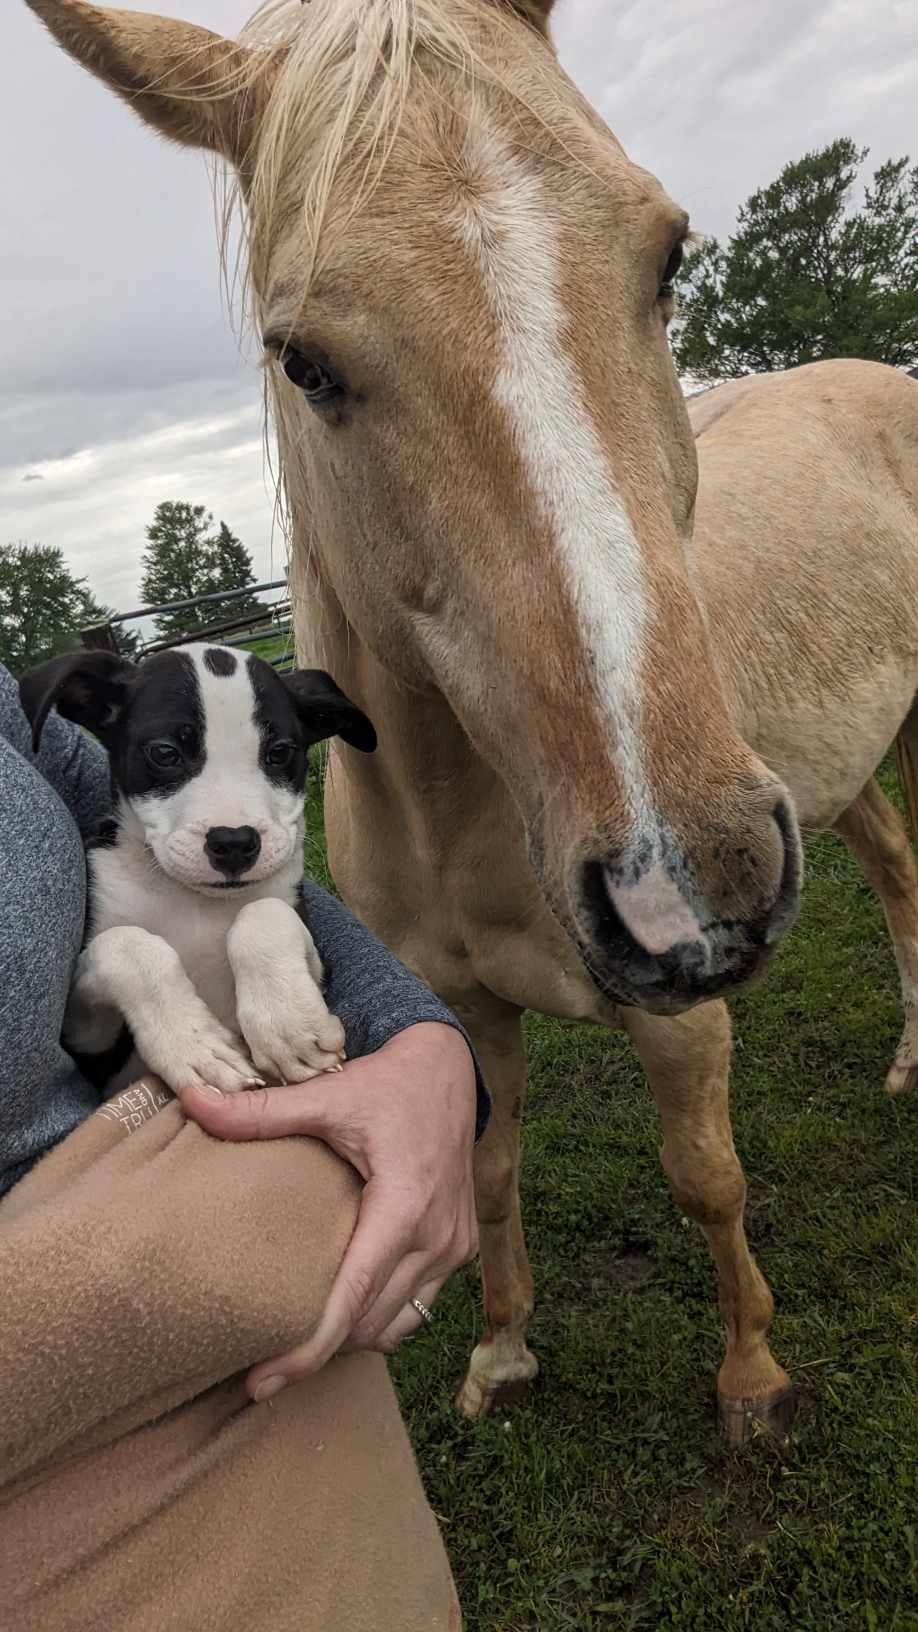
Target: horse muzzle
651	938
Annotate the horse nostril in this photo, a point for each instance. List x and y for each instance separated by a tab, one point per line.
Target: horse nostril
232	849
787	899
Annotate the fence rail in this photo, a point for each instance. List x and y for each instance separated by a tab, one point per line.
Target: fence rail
268	624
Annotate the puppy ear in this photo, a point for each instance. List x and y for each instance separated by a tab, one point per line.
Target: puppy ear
324	710
88	687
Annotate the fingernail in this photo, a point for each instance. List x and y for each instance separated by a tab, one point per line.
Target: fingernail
208	1088
270	1387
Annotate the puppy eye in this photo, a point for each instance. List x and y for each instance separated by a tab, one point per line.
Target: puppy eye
280	753
164	755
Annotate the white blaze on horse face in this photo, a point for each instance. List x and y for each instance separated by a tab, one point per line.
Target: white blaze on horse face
507	227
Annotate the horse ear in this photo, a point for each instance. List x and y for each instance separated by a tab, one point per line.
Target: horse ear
194	86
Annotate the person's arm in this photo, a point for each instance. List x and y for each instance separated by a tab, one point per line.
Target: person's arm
404	1118
404	1112
142	1262
374	996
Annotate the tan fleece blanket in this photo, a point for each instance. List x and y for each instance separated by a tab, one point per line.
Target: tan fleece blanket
143	1268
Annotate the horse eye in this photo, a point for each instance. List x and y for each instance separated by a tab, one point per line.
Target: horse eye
317	382
164	755
670	273
280	753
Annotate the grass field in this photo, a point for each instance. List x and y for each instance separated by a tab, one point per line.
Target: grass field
279	645
607	1501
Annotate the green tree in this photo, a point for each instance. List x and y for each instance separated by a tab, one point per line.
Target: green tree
231	568
185	559
807	275
43	606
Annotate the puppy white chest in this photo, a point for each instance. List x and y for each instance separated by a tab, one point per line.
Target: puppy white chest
127	892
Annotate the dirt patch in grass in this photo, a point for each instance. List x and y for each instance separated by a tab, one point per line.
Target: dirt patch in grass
606	1270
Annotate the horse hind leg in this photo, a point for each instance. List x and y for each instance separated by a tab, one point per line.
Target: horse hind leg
687	1061
501	1365
874	832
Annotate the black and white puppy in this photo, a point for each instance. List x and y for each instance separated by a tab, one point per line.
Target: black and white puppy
196	964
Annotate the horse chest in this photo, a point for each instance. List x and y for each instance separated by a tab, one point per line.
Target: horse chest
536	967
463	911
461	939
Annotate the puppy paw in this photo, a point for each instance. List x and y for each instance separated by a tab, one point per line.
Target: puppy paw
294	1049
192	1049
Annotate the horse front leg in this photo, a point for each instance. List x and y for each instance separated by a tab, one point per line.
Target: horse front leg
873	830
501	1365
687	1061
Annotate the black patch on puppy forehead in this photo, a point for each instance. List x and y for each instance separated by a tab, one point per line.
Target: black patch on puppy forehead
164	705
277	721
219	661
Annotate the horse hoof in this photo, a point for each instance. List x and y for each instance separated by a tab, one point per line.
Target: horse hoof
773	1415
901	1079
484	1392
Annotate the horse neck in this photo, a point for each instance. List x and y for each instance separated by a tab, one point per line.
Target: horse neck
426	769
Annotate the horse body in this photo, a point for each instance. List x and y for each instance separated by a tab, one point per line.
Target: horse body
806	555
806	563
588	719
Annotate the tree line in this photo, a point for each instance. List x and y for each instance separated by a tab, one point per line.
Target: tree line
43	605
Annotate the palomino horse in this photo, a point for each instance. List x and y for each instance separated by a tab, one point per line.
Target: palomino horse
463	286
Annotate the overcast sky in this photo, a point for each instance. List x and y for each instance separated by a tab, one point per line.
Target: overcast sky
121	383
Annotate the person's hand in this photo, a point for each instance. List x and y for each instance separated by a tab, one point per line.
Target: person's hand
404	1117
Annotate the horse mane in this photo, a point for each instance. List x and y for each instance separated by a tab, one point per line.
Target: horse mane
340	75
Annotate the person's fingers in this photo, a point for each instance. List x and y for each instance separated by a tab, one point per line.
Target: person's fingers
215	1076
377	1246
264	1113
408	1320
416	1269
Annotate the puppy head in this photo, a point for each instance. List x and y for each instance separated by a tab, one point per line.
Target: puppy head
208	750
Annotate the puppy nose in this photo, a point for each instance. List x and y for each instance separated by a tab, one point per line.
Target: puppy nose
232	850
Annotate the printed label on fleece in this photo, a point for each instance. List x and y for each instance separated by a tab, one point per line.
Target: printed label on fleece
136	1106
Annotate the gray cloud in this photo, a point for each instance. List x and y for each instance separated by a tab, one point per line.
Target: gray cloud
96	502
121	382
714	99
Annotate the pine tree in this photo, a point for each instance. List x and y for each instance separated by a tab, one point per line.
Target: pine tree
231	568
186	559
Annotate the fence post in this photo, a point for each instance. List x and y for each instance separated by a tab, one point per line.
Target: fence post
101	638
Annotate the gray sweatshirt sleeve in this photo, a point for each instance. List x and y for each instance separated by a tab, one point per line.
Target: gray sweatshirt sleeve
73	763
371	992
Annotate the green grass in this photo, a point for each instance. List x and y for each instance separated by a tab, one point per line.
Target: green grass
607	1501
277	646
